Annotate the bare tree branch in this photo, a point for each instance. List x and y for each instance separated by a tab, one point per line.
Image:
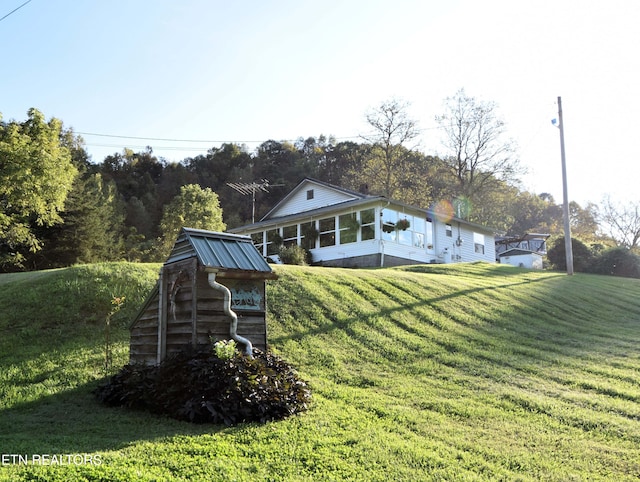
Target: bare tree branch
475	138
622	223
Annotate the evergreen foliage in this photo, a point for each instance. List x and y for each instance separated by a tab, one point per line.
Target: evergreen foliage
616	261
582	255
619	261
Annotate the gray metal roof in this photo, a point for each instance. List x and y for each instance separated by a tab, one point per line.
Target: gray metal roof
218	250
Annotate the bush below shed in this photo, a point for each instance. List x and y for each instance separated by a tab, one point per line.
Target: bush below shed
202	388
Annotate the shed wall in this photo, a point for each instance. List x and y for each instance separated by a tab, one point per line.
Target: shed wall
194	314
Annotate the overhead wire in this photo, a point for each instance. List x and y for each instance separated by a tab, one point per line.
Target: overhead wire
14	10
200	141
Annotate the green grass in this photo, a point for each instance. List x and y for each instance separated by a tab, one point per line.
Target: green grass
459	372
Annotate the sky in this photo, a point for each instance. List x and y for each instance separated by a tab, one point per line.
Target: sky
165	73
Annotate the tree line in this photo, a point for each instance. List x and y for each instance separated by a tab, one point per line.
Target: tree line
58	207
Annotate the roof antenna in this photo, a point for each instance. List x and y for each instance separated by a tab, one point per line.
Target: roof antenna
245	189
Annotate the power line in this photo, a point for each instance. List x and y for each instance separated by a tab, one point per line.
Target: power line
200	141
14	10
210	141
155	148
164	139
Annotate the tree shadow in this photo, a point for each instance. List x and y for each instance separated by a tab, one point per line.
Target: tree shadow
388	312
74	421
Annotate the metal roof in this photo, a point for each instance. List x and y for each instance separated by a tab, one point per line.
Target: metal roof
518	252
218	250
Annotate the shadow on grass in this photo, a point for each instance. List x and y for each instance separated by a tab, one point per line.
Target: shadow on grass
388	312
74	421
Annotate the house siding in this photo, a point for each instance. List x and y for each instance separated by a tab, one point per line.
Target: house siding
464	252
528	260
322	196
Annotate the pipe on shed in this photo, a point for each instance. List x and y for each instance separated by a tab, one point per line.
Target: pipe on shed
229	312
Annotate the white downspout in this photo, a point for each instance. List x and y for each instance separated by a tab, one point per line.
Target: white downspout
229	312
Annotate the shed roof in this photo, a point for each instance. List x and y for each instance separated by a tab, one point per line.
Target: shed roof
223	251
518	252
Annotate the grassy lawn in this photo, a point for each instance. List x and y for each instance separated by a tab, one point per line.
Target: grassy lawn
458	372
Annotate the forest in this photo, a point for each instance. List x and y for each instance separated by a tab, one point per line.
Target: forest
59	207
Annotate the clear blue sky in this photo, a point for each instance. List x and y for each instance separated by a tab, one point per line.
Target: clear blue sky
249	71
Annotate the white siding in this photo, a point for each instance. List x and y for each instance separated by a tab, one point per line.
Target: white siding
531	261
448	250
298	202
342	251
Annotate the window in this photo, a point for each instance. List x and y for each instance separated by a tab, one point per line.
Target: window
389	220
348	228
274	241
308	235
290	235
327	232
367	224
419	230
309	194
478	243
405	236
449	231
258	241
429	239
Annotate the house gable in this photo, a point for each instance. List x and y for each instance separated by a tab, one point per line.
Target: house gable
310	195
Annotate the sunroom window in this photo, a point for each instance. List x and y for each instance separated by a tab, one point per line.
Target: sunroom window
368	224
327	232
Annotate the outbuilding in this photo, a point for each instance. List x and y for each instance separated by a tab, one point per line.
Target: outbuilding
212	287
521	258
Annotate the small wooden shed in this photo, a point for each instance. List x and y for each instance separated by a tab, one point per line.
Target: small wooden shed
212	286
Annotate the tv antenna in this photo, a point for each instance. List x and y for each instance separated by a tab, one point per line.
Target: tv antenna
246	188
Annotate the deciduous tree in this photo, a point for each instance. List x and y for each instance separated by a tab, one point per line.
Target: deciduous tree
621	222
36	175
194	207
391	163
478	152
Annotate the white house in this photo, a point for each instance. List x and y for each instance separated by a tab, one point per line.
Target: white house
346	228
521	258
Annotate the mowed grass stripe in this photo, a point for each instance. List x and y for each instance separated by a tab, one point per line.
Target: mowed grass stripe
465	372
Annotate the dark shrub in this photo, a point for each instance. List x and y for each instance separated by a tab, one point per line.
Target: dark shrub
294	254
582	255
617	262
203	388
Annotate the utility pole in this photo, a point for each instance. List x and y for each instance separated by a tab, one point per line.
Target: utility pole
565	196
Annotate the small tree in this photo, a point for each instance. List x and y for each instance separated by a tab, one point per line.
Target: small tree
194	207
582	255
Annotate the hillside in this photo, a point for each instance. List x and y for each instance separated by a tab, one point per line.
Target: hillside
476	372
